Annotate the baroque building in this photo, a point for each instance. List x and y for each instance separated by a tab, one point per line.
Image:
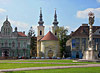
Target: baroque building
79	41
13	43
47	45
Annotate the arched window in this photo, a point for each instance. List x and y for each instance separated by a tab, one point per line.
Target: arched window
2	44
99	54
77	55
18	44
40	32
55	33
6	43
13	44
50	53
6	31
24	44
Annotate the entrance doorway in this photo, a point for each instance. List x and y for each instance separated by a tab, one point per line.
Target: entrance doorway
5	53
77	55
50	53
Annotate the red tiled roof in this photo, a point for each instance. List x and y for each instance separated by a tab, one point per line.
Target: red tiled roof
49	36
21	34
84	31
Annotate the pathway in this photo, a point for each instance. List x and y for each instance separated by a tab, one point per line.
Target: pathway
51	67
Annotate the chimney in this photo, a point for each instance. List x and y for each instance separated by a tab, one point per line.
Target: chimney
84	24
15	29
24	32
71	31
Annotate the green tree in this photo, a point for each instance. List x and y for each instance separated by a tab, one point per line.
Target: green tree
62	37
32	37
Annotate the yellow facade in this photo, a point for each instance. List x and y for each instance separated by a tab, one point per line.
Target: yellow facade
43	48
47	46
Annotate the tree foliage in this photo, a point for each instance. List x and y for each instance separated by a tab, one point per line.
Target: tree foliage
32	37
63	37
31	32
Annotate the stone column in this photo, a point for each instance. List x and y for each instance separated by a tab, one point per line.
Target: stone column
90	53
91	22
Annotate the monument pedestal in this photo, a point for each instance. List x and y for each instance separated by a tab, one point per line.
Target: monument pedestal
90	55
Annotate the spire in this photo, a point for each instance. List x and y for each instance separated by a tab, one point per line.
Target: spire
55	18
41	22
7	18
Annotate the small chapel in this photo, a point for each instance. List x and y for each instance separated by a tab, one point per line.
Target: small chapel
47	45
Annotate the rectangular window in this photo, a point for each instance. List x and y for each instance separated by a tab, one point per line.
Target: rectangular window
84	43
73	43
77	43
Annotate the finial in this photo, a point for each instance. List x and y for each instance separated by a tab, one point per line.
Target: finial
7	18
40	10
55	11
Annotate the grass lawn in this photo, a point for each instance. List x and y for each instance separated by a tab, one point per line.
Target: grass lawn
40	60
43	60
68	70
24	65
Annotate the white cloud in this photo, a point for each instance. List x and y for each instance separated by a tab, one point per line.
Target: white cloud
22	26
2	10
98	0
5	1
0	24
84	13
68	27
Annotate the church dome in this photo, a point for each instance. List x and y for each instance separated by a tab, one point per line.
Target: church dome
49	36
6	29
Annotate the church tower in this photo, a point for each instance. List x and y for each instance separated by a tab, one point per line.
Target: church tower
40	33
55	24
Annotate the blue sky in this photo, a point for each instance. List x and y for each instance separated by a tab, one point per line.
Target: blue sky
71	13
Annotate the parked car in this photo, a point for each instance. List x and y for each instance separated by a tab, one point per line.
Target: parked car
19	57
63	58
42	57
47	57
37	57
54	58
58	58
68	58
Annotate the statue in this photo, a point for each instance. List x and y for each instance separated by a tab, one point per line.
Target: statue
91	18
